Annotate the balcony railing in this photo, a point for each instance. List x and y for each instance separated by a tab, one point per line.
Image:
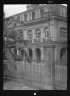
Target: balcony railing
37	40
29	41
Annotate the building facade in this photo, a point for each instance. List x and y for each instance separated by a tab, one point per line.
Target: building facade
44	29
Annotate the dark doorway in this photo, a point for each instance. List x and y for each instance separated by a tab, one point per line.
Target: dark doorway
30	53
38	54
62	52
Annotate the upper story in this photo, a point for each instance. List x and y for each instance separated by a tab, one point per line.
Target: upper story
40	22
38	12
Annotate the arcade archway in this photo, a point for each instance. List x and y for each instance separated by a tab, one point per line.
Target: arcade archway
63	55
62	52
38	54
30	53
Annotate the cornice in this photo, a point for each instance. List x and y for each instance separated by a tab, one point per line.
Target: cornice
60	18
41	21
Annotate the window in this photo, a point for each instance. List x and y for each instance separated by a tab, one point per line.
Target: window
37	14
46	9
61	13
46	32
15	17
33	15
38	33
29	34
64	12
29	17
22	17
63	32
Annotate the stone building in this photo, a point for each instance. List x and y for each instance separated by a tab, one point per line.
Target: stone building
44	28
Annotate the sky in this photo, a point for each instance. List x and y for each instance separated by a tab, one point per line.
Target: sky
12	9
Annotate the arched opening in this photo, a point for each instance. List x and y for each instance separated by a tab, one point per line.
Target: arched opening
17	54
23	54
38	33
62	52
46	32
63	32
30	53
38	54
29	33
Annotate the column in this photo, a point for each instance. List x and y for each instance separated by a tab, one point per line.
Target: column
42	53
42	34
25	34
34	54
57	53
17	48
50	66
33	31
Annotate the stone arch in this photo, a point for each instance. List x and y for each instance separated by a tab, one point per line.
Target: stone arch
38	54
63	28
24	54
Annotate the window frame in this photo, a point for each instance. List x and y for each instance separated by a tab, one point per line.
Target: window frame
46	32
22	18
29	16
29	34
37	14
63	32
38	33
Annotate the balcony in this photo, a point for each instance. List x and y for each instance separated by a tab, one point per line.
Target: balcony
37	40
29	41
45	39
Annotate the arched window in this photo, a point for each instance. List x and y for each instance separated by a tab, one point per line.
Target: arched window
38	54
29	33
46	32
38	33
63	32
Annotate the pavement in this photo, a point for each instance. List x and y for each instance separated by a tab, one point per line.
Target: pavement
14	85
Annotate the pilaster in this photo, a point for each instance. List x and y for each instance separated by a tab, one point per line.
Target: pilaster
34	53
42	53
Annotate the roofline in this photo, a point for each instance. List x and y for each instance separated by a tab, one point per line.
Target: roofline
31	10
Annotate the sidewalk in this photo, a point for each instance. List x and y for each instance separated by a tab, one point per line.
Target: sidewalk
14	85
